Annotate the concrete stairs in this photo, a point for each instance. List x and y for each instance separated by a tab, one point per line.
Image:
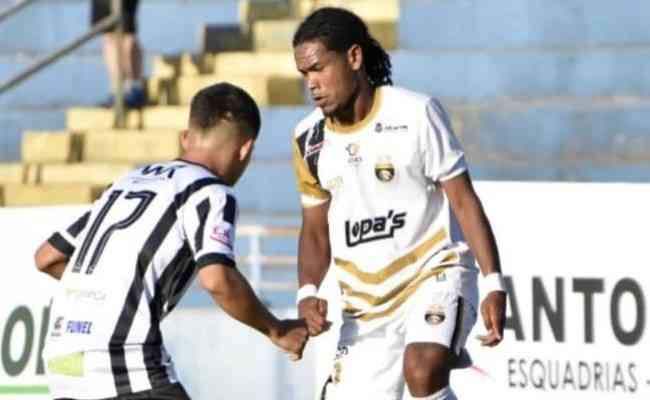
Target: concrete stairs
536	91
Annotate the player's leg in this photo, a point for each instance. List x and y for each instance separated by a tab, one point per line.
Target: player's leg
427	370
436	331
131	53
367	367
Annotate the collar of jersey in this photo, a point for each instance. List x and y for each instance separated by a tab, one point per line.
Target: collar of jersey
358	126
198	165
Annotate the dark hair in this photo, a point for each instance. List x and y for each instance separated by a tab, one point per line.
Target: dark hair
339	29
224	101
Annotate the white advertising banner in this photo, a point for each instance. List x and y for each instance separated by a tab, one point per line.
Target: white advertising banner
578	273
577	268
24	298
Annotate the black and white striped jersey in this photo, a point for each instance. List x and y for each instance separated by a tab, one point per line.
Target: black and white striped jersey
132	256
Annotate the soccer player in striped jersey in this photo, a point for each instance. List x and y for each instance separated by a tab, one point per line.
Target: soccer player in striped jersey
389	203
124	264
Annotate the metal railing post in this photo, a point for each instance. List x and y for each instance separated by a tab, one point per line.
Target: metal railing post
255	251
119	120
4	14
105	24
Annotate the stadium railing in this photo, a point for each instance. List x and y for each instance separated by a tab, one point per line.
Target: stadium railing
106	23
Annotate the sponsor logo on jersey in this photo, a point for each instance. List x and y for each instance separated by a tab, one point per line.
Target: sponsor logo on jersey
79	327
222	235
371	229
313	149
435	314
384	169
159	170
379	128
85	296
56	328
353	150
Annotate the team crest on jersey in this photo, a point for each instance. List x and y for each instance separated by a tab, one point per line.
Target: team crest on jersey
353	150
435	315
384	169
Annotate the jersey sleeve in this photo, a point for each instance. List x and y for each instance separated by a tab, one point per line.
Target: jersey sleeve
310	189
444	157
67	239
209	222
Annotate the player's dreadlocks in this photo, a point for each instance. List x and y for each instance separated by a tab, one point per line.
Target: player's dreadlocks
339	29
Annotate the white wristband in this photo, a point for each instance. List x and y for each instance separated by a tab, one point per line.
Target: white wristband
305	291
493	283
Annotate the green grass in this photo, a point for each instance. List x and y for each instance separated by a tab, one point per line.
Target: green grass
23	389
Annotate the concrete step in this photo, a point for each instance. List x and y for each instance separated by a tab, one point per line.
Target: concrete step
136	147
48	195
13	122
278	35
522	23
48	25
95	118
101	174
266	90
50	147
369	10
15	173
254	63
474	75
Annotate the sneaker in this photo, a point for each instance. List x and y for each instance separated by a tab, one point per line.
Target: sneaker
135	98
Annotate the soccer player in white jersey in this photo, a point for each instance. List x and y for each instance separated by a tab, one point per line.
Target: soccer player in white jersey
389	203
124	265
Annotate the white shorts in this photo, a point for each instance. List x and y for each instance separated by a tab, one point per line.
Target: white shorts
370	366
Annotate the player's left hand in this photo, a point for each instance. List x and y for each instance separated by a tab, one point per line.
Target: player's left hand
493	311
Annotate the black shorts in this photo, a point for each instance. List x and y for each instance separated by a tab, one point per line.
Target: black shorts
169	392
101	9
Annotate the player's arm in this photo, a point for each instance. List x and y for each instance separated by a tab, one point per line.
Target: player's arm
209	221
51	260
53	255
232	292
476	228
313	263
444	163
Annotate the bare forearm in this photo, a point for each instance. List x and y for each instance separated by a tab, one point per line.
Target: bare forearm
313	259
239	301
479	235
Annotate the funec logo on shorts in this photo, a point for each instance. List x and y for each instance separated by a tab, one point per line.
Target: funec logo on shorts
375	228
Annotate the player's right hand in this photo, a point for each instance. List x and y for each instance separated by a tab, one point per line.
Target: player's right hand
314	311
291	336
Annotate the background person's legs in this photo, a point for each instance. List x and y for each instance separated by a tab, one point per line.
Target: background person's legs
130	52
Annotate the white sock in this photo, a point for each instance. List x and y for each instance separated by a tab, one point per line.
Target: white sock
442	394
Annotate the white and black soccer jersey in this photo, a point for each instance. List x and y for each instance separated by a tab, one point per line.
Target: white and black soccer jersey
391	226
132	256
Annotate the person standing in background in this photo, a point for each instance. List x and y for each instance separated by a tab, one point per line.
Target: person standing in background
130	52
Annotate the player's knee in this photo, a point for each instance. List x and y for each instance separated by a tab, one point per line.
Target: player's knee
426	367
